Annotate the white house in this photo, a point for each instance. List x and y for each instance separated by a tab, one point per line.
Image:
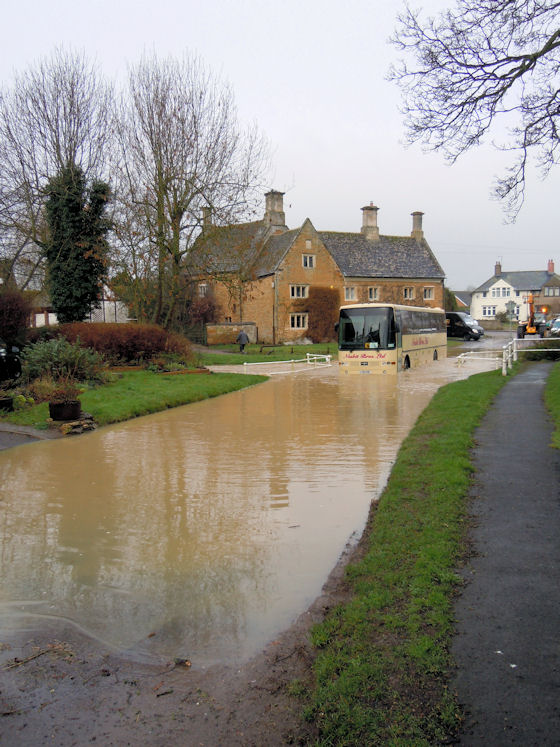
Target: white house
110	309
491	298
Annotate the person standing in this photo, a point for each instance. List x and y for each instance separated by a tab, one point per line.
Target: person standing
242	340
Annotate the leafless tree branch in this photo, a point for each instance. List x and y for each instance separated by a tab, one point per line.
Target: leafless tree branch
483	61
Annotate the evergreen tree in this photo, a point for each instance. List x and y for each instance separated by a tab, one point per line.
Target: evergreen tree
76	247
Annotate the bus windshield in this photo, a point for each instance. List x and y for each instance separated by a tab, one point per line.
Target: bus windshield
363	328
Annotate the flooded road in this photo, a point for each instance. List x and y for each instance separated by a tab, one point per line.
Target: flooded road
202	531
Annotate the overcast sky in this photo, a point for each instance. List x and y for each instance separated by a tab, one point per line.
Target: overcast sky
311	74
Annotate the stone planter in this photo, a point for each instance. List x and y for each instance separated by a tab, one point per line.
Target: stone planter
65	410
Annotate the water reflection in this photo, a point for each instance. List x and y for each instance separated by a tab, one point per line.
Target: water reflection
211	526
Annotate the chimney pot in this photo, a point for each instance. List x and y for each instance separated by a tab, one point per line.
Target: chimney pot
369	222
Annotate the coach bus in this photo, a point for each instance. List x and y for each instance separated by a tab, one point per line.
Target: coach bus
384	338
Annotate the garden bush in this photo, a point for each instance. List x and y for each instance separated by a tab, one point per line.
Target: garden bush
126	343
548	349
59	359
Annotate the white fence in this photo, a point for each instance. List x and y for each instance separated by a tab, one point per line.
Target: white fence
507	356
311	359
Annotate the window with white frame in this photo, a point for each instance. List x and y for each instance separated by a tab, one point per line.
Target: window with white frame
350	293
373	294
428	293
299	291
298	321
552	291
202	289
505	292
308	260
488	311
408	293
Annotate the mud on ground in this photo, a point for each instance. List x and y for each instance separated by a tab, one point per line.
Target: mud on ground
61	687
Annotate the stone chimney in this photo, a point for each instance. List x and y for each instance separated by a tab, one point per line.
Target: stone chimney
369	222
417	232
206	216
498	269
274	216
550	268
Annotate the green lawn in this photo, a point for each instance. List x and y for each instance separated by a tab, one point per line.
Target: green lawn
141	392
230	355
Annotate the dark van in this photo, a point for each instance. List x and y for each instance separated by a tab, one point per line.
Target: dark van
461	324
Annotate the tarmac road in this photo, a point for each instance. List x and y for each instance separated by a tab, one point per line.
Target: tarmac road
507	646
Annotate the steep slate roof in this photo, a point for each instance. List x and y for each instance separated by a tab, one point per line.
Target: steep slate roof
228	248
223	249
273	251
390	256
523	281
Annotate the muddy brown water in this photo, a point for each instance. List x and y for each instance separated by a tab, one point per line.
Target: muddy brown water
203	531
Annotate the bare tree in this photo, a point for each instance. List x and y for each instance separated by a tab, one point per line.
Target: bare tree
53	116
182	150
482	61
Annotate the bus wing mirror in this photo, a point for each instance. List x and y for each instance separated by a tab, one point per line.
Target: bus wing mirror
336	327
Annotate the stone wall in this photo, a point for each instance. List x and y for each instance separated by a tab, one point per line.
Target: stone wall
226	333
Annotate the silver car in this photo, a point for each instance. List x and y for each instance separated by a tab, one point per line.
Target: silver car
554	330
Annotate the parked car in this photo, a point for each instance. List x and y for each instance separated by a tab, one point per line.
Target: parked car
461	324
554	330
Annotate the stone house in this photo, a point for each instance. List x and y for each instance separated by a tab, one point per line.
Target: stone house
491	298
262	272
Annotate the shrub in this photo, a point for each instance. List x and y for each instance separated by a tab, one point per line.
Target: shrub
126	342
15	309
203	310
65	391
40	334
548	349
40	389
61	359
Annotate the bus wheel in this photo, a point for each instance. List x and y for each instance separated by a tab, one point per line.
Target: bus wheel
435	355
406	363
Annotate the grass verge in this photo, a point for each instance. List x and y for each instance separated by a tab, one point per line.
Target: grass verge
552	400
141	392
383	657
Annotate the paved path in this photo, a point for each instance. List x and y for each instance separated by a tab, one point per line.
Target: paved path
14	435
508	617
